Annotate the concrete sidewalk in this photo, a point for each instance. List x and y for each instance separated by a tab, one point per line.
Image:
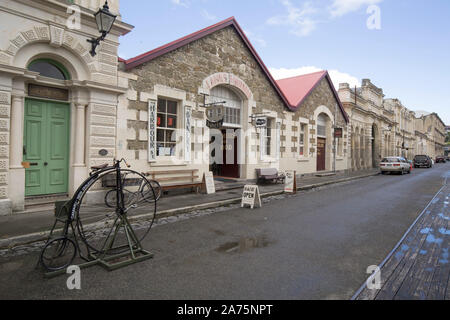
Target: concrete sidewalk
22	229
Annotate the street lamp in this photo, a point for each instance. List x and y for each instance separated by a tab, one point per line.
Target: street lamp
105	21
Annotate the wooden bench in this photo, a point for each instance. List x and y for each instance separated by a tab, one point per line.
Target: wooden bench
269	175
177	179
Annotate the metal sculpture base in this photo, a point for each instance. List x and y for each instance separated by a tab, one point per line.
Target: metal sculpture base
134	253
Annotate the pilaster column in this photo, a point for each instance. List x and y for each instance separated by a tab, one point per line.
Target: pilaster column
17	172
16	146
80	136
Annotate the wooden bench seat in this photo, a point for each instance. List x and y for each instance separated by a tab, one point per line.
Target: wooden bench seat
177	179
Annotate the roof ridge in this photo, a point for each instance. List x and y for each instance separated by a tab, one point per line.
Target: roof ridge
140	56
303	75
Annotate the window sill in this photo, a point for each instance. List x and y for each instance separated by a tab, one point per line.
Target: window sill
269	160
303	159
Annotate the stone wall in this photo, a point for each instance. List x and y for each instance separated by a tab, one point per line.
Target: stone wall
185	69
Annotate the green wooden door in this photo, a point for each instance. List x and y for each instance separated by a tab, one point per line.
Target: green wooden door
46	147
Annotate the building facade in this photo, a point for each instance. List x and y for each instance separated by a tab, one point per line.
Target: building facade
163	121
371	137
205	102
385	127
58	104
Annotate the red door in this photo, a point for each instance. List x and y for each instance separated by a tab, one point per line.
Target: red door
230	167
321	149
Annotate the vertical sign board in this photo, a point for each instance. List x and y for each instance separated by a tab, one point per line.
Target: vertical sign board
152	131
187	134
251	196
208	182
291	182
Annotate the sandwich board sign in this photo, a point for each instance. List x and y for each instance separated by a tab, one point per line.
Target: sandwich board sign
208	182
291	182
251	196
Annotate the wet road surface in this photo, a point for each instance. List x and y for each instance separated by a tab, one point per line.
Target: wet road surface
315	245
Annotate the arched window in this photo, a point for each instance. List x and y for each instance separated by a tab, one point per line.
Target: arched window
50	69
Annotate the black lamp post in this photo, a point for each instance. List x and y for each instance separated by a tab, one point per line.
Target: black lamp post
105	21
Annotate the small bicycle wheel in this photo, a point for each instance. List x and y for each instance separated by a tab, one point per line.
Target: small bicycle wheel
97	209
111	197
151	192
58	254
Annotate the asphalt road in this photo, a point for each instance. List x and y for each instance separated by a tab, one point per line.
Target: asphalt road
315	245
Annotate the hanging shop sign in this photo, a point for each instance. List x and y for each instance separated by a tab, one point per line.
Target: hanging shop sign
261	122
251	196
214	125
338	133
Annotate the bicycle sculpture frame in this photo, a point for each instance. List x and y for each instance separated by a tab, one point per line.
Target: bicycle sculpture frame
85	218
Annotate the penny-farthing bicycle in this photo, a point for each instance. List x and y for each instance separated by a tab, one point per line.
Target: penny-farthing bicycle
111	231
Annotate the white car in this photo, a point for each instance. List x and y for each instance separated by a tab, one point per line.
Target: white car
395	164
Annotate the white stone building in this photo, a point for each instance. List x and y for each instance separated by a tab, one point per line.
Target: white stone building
57	102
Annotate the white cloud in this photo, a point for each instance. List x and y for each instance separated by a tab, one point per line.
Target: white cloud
208	16
256	38
299	20
183	3
341	7
336	76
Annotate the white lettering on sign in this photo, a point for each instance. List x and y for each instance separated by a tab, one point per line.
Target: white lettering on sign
152	131
251	196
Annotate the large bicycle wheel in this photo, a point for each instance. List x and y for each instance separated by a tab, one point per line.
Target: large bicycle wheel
58	254
97	208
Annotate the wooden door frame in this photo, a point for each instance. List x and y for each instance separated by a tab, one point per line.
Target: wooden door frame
324	156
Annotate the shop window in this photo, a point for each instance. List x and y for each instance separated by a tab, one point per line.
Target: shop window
167	125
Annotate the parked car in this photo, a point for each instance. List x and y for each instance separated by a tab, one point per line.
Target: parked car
421	161
440	159
395	164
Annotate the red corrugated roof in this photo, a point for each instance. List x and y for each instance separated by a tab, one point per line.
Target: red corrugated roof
297	89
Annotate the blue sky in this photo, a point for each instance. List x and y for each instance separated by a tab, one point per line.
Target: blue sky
409	56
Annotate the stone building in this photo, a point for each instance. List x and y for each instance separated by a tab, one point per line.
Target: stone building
371	121
385	127
219	65
308	142
57	102
404	130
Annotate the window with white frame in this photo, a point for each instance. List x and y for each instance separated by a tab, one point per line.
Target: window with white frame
303	140
268	138
167	127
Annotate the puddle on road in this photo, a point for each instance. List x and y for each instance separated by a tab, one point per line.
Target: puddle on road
244	244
